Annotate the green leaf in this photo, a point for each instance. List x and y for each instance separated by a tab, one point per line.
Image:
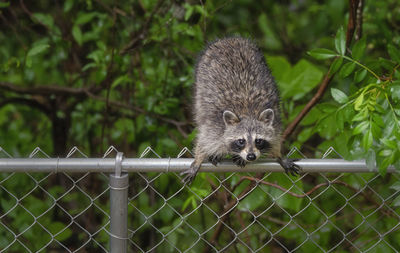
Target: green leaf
388	130
378	120
358	102
395	90
359	48
396	201
68	4
188	201
327	108
283	199
371	159
45	19
4	4
360	128
189	11
84	18
367	140
360	75
121	79
385	152
388	65
77	34
337	63
339	116
253	200
280	66
383	166
389	143
327	127
394	53
360	116
37	49
297	81
339	96
304	77
395	186
340	41
376	130
57	227
347	69
322	53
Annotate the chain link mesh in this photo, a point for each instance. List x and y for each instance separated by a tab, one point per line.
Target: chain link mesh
221	212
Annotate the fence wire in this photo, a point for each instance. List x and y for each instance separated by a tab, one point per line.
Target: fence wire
220	212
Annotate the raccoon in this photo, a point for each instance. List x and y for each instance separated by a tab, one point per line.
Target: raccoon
236	107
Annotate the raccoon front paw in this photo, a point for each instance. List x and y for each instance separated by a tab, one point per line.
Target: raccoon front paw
190	173
289	166
239	161
215	159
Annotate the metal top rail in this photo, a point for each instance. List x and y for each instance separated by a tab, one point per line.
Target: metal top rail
172	165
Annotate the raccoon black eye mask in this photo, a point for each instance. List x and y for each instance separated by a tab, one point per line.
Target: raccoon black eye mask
238	145
236	107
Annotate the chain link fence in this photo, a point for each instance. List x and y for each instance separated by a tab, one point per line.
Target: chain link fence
116	204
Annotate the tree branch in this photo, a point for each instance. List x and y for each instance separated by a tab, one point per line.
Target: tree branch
25	101
82	92
351	25
353	5
44	90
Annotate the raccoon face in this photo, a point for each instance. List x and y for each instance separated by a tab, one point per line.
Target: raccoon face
250	147
249	138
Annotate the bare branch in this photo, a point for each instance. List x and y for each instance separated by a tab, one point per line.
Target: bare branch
43	90
25	101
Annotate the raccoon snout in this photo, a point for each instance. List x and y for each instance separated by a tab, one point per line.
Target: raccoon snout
251	157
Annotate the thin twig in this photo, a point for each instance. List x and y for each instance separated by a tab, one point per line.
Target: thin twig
295	194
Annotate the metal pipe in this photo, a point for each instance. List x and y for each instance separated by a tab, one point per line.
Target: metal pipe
118	213
172	165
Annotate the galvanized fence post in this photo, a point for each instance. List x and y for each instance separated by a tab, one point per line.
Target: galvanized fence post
118	208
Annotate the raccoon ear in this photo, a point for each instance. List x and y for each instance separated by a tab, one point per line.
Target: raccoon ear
230	118
267	116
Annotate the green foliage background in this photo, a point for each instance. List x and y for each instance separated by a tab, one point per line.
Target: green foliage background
98	73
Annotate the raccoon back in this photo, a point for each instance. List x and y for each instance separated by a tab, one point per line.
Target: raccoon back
231	74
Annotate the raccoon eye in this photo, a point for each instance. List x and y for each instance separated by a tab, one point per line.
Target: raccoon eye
262	144
238	145
241	142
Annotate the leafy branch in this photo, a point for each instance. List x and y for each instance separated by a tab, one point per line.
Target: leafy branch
372	104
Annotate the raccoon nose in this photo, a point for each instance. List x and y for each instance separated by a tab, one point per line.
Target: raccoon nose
251	157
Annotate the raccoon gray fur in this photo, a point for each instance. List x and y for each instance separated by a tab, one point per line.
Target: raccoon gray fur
236	106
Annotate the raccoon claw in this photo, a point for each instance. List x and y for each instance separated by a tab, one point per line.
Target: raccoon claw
289	166
239	161
215	160
189	174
